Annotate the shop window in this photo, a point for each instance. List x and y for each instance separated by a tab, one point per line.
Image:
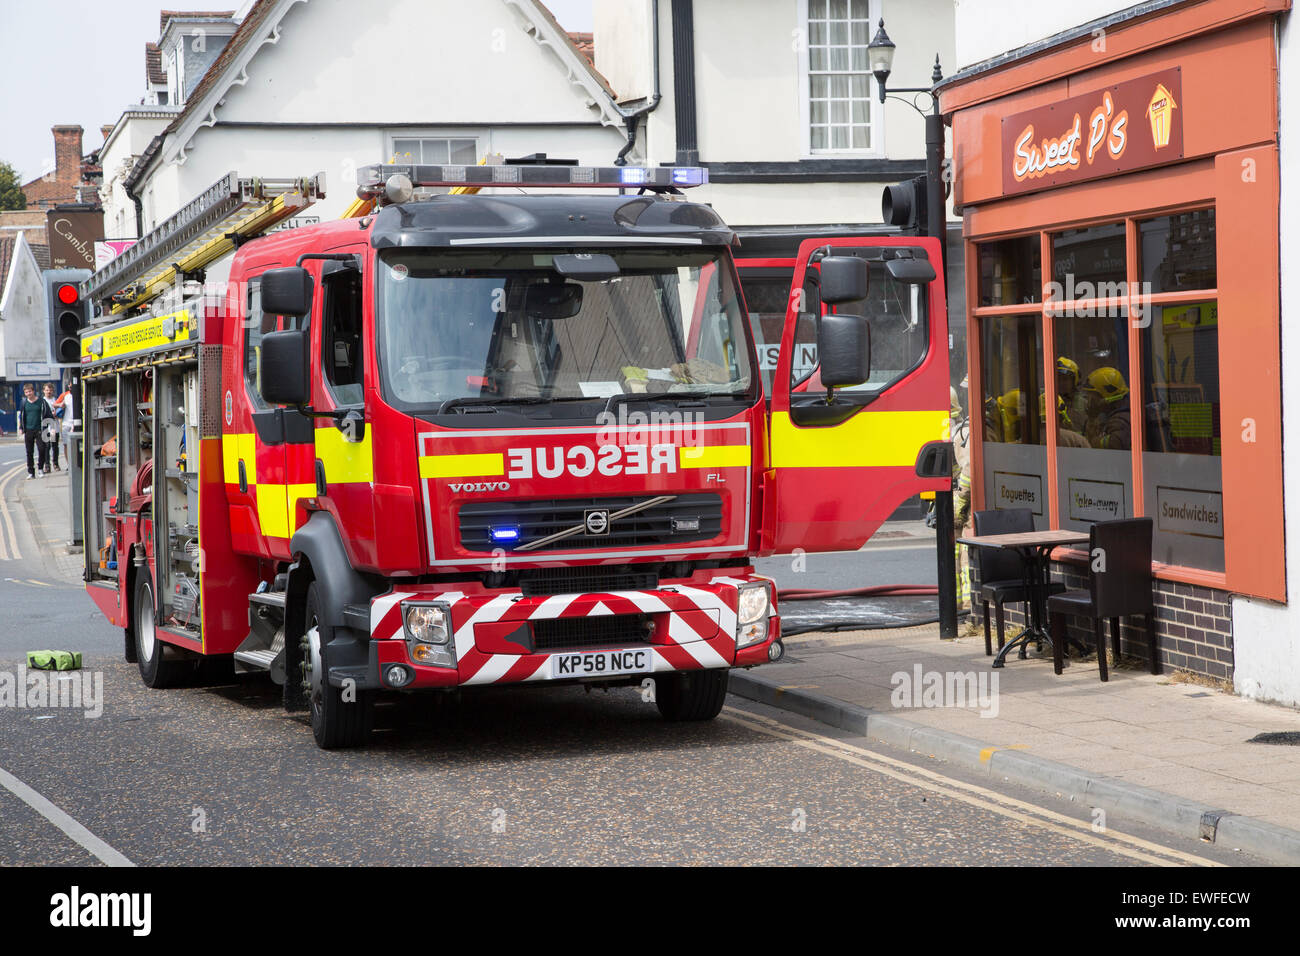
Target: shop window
1015	457
1010	271
1089	263
1093	415
1181	465
1178	252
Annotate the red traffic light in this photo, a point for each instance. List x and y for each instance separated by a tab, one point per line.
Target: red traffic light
67	294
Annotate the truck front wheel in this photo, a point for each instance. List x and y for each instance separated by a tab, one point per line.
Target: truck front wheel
155	671
340	716
692	695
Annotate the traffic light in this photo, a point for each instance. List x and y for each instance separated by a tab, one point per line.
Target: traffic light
68	314
904	204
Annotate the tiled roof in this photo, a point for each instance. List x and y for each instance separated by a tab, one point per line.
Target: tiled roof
165	15
42	253
259	12
153	71
585	45
7	244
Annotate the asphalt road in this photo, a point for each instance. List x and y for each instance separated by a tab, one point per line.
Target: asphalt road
222	775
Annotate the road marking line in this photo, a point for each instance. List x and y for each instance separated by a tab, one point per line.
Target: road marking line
13	553
38	583
977	796
75	831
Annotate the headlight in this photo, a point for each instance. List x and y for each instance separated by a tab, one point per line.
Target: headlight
753	605
428	635
752	611
427	624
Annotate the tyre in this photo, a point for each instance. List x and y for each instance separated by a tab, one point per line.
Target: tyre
155	670
335	722
692	695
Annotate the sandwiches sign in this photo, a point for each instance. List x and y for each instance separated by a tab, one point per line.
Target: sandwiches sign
1128	126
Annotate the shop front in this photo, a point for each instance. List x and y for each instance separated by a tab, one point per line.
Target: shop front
1121	223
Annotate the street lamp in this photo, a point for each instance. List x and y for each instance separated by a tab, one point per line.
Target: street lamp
880	55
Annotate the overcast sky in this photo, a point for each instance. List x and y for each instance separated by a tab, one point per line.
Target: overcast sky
70	62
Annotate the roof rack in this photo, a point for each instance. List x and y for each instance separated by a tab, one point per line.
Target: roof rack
229	212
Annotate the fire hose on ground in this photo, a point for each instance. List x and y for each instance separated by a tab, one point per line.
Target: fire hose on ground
879	590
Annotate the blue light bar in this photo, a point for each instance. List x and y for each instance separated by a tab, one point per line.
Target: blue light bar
501	535
371	180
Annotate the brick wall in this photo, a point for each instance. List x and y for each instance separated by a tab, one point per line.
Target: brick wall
1193	623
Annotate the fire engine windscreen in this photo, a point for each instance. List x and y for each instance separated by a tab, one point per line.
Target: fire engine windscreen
506	326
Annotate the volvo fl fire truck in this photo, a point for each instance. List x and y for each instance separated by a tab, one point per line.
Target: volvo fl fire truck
529	435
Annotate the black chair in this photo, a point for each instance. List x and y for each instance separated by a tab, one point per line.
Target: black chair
1119	584
1002	572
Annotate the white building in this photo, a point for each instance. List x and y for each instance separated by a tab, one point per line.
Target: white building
304	86
776	98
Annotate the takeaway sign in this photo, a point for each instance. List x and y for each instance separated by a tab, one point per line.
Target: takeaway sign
1132	125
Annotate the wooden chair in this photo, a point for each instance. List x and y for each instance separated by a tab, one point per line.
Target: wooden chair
1120	551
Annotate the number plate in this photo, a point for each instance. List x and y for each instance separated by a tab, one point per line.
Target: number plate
602	663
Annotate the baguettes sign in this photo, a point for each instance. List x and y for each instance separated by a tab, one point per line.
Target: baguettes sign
1128	126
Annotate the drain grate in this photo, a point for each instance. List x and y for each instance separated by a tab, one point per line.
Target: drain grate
1291	737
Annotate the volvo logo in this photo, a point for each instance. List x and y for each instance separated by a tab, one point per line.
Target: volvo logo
597	522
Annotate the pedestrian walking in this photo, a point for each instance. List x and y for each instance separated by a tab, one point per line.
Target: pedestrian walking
50	427
31	418
67	425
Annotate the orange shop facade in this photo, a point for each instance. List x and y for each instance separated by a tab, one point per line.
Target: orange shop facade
1123	232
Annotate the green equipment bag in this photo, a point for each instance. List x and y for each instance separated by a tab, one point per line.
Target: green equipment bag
54	660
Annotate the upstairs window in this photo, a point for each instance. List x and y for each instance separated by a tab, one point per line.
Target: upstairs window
840	111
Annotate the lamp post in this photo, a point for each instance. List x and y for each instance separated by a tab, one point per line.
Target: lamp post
880	54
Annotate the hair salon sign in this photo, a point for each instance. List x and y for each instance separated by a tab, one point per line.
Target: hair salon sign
1128	126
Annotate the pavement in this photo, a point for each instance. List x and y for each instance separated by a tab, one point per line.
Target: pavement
1169	751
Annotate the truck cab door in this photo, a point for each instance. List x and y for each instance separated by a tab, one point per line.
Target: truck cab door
837	469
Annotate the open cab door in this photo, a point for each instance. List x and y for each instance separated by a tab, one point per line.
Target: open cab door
859	395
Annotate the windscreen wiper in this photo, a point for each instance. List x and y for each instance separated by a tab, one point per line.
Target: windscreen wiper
468	401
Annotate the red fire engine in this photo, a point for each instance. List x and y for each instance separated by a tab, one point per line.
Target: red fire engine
473	438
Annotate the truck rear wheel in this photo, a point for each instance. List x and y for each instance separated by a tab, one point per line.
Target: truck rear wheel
155	670
692	695
336	721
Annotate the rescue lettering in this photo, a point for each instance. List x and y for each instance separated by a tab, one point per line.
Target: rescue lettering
581	461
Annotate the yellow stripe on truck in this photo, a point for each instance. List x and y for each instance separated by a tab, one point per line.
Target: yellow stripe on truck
272	511
867	440
344	461
714	456
233	448
462	466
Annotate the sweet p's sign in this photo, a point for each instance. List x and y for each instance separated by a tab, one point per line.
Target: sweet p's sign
1128	126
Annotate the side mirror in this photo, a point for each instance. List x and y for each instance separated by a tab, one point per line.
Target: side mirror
286	291
911	271
843	279
282	374
553	300
844	349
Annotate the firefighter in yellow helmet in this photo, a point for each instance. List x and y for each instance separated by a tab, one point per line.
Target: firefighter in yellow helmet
1109	418
1011	412
1065	434
1067	389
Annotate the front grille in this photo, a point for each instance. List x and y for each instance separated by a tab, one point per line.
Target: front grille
544	581
537	519
609	630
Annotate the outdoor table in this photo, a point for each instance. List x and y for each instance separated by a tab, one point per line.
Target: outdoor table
1035	547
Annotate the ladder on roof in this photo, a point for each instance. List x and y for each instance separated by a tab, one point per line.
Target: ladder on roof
231	211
